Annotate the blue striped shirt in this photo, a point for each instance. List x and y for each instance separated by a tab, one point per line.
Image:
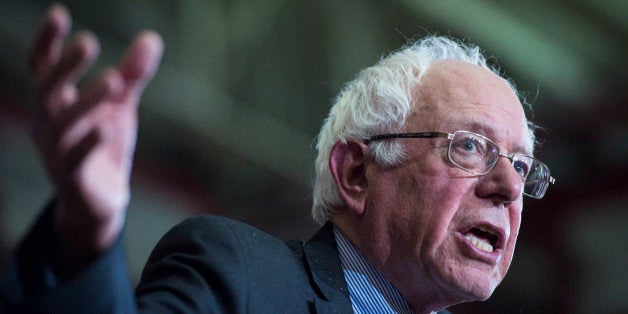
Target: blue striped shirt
369	291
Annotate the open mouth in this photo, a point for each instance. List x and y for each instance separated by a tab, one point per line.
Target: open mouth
484	238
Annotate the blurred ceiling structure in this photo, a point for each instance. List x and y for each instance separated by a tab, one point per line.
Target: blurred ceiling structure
228	126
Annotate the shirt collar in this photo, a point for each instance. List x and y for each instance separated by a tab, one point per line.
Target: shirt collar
369	291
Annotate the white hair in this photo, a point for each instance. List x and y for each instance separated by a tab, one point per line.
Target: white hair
378	101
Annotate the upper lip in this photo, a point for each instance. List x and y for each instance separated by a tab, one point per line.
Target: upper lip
497	234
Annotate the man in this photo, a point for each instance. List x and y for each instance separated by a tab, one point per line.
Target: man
421	169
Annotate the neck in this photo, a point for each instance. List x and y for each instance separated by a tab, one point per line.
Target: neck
414	284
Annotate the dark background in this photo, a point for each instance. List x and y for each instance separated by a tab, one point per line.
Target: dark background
228	124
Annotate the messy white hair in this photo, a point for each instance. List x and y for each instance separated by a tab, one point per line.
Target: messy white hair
378	101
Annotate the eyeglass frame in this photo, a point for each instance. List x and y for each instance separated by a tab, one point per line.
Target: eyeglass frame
450	136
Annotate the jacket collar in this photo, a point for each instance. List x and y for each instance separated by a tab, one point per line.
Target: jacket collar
321	255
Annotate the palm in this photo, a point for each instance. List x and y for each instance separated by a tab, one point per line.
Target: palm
103	176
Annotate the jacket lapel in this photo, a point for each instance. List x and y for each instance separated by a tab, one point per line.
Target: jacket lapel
321	255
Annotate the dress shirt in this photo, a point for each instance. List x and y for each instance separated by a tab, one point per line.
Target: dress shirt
369	291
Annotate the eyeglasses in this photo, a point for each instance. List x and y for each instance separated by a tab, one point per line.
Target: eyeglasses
477	154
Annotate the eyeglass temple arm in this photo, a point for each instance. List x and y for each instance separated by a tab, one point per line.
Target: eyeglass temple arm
407	135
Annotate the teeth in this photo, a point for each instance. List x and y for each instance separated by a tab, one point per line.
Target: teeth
485	229
479	243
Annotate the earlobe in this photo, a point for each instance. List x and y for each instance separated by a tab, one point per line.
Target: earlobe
347	163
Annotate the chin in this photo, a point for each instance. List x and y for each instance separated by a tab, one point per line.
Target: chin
480	289
484	295
473	288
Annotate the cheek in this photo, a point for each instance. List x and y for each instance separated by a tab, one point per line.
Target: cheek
399	212
436	207
412	208
443	199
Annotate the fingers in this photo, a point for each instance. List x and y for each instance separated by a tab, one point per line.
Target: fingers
58	135
58	70
58	93
71	122
76	58
140	62
109	86
48	43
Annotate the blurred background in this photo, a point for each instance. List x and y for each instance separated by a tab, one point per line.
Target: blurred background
228	125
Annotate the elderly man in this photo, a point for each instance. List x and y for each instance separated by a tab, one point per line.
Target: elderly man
421	169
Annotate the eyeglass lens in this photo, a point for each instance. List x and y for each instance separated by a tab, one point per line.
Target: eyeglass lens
478	154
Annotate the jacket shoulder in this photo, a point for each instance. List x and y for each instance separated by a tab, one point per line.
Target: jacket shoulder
225	265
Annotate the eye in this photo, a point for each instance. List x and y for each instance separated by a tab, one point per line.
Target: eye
521	167
470	145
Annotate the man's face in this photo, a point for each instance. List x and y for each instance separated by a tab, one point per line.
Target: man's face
430	226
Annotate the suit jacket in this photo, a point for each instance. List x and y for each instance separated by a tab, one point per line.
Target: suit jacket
212	263
207	264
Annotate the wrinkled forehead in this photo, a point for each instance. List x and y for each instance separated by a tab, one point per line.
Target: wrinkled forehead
455	95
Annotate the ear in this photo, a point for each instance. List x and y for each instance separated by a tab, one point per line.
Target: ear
347	162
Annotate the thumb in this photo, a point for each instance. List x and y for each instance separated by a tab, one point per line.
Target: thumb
140	62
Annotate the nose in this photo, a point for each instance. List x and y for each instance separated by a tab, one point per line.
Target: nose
502	183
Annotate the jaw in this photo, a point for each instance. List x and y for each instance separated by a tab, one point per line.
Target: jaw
459	272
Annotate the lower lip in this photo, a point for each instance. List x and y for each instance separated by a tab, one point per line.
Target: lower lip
468	249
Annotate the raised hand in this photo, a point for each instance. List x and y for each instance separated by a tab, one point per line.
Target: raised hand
86	135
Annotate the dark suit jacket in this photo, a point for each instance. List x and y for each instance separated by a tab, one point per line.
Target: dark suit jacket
211	264
206	264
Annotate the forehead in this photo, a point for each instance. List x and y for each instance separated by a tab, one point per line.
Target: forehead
456	95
